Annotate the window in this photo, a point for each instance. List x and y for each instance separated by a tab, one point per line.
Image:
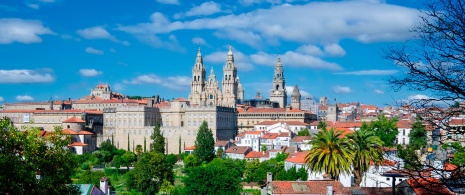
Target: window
211	96
388	179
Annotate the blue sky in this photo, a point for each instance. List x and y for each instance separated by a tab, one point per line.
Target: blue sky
61	48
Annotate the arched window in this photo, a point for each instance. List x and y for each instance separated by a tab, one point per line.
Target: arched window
277	87
211	96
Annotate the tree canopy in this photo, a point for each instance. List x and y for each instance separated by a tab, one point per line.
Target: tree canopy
25	154
418	135
158	141
303	132
204	144
330	153
150	171
385	129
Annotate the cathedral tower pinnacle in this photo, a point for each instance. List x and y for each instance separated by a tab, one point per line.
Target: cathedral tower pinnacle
198	79
278	91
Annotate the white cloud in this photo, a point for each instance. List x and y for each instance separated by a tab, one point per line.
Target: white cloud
314	22
420	97
370	72
199	40
23	31
341	89
174	2
96	32
295	59
241	61
335	50
310	49
92	50
33	5
252	2
173	82
1	99
89	72
24	98
378	91
26	76
204	9
119	87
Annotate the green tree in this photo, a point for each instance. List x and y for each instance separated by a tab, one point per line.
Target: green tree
263	148
129	144
418	136
204	144
303	132
220	152
158	141
150	171
385	129
179	145
367	148
330	153
166	187
191	161
322	125
302	174
145	144
138	150
23	154
117	161
213	178
281	156
128	158
171	159
91	177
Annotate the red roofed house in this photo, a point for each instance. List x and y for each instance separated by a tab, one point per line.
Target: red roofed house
323	187
261	156
424	186
82	141
404	127
237	152
374	176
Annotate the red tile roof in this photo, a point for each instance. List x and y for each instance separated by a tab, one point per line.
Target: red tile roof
423	186
297	157
385	162
74	120
223	143
71	132
457	122
255	154
307	187
189	148
345	131
238	150
273	110
287	122
404	124
269	136
301	138
53	111
77	144
253	132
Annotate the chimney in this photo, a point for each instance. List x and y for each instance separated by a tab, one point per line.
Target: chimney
329	190
104	185
269	177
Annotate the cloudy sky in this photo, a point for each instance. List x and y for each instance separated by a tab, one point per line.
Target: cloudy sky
61	49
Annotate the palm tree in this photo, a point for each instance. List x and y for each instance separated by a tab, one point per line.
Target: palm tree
330	153
367	147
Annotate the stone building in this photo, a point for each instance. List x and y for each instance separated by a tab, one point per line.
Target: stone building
206	91
250	116
278	91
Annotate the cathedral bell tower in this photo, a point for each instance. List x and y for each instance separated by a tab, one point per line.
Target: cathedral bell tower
278	91
230	81
198	80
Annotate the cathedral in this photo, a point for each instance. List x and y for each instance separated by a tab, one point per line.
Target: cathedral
206	91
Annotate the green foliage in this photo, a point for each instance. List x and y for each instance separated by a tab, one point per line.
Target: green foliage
158	141
220	152
22	153
117	161
191	161
412	162
330	153
91	177
145	144
256	171
128	158
149	173
303	132
171	159
113	172
302	174
102	156
322	125
367	147
139	149
204	144
418	135
281	156
166	187
385	129
213	178
263	148
107	146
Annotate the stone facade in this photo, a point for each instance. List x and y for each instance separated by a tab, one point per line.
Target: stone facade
206	91
278	91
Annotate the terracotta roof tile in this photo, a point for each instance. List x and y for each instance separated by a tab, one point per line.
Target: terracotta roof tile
307	187
255	154
71	132
301	138
287	122
238	150
297	157
74	120
189	148
77	144
423	186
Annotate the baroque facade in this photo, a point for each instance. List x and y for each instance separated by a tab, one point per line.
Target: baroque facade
206	91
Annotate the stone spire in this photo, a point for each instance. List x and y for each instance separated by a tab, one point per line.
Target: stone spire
199	59
296	91
230	54
295	98
278	91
